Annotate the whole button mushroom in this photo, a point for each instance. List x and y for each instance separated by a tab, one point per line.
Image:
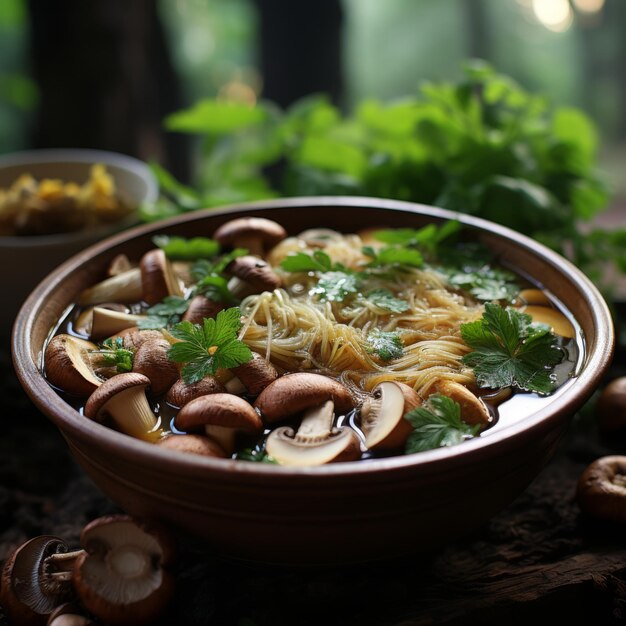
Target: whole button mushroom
69	614
601	489
192	444
200	307
123	398
222	416
122	576
382	415
133	338
158	279
181	393
256	374
251	275
151	361
36	578
256	234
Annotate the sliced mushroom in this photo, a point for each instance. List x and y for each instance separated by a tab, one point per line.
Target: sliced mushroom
69	614
70	366
158	279
123	398
256	374
124	287
473	409
601	489
106	322
151	361
551	317
36	578
382	415
533	296
222	416
84	321
181	393
251	274
119	264
256	234
315	442
200	307
192	444
123	576
291	394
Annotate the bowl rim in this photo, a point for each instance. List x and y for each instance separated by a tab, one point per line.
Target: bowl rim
81	156
442	460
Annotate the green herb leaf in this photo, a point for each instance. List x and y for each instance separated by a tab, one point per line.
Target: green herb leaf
486	284
300	262
429	237
387	345
187	249
437	423
384	299
255	455
336	286
203	267
114	354
509	350
394	255
206	348
165	313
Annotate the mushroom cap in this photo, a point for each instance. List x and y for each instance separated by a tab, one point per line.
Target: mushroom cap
601	489
95	407
119	264
267	231
611	406
192	444
180	393
255	272
157	277
256	374
151	361
134	337
122	577
22	595
473	409
382	415
200	307
68	365
69	614
219	409
291	394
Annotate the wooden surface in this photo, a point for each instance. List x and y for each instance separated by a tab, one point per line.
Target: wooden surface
538	558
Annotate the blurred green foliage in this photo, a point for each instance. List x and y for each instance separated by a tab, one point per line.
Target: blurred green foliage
481	145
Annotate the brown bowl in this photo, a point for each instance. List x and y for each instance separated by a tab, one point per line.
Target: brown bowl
336	513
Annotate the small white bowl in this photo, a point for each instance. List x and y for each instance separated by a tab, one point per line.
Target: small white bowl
26	260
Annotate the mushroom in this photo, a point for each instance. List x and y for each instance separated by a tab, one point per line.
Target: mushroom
151	361
133	338
180	393
36	578
158	279
123	398
192	444
69	614
84	321
533	296
200	307
106	322
382	415
250	274
122	576
256	234
124	287
291	394
119	264
222	416
473	409
601	489
315	442
69	365
611	406
256	374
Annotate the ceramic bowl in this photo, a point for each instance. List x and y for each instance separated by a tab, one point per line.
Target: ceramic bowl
27	259
335	513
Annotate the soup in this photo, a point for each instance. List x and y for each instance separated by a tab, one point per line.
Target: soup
317	348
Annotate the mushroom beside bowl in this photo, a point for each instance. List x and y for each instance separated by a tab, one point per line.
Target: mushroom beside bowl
340	512
28	258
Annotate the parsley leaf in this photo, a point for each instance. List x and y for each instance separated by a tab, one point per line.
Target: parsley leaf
486	283
203	267
384	299
427	237
256	455
387	345
437	423
187	249
319	261
509	350
164	313
336	286
114	354
394	255
206	348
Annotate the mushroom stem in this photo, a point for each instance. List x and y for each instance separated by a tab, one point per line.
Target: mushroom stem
132	413
316	423
222	435
124	287
239	288
251	242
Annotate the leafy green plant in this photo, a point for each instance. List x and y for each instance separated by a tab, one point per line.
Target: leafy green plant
482	145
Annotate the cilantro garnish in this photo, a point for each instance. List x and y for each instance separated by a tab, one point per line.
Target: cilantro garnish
336	286
255	455
437	423
509	350
427	237
206	348
114	354
165	313
187	249
486	284
387	345
384	299
209	281
393	255
319	261
204	267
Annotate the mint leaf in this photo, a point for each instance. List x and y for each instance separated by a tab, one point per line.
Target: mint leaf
510	351
437	423
206	348
300	262
387	345
384	299
187	249
165	313
336	286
